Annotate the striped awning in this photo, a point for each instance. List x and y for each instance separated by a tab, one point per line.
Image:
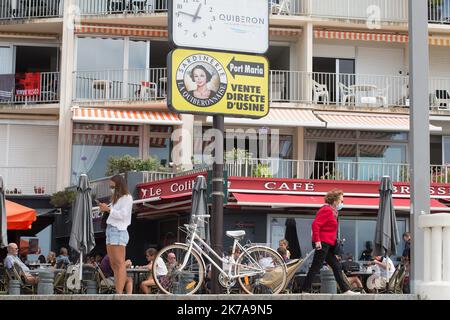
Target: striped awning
159	32
434	40
367	121
124	116
280	117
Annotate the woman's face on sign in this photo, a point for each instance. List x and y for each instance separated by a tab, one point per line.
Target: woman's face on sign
199	77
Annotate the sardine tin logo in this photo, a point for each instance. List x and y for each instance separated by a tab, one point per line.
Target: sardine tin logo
201	80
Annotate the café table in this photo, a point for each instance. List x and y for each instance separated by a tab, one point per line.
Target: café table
136	274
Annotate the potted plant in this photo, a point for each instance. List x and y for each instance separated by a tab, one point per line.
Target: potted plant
63	199
262	171
118	165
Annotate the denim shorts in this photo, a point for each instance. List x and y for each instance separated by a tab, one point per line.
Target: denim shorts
116	237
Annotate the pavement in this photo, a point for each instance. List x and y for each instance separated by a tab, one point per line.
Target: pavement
220	297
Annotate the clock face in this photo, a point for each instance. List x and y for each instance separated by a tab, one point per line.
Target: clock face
193	19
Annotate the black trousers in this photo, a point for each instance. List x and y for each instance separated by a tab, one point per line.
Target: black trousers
325	254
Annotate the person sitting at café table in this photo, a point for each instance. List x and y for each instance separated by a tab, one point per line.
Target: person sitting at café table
12	259
51	258
283	253
161	270
348	266
62	260
383	270
283	243
105	266
366	255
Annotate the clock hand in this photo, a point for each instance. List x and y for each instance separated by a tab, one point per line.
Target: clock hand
189	14
196	13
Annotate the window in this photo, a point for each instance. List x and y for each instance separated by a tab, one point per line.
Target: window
446	143
94	144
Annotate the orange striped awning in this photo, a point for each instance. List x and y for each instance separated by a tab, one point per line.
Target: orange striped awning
367	121
160	32
379	37
121	30
124	116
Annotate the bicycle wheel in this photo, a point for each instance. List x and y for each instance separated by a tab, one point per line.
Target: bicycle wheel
179	281
268	269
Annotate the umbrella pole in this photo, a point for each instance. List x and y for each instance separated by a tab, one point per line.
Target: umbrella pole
81	268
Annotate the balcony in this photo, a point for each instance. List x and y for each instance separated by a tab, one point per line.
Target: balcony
30	180
30	88
30	9
121	85
439	11
106	7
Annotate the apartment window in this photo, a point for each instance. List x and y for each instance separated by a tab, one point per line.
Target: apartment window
160	145
446	151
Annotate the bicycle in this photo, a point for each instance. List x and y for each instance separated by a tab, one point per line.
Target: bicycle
258	269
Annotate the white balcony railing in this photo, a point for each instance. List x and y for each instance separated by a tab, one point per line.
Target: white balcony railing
30	9
102	7
439	11
29	180
48	91
130	85
344	89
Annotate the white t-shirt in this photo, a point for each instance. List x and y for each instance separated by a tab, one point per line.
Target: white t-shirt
383	273
120	214
161	269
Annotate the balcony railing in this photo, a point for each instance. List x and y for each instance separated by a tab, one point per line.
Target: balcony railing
30	9
47	92
439	11
103	7
129	85
344	89
29	180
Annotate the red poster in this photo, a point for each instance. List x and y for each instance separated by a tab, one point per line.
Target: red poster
28	84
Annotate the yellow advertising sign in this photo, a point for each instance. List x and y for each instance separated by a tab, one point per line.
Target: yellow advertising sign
208	82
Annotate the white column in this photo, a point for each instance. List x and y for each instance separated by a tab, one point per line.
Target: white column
446	254
66	81
182	151
299	139
436	253
427	254
302	60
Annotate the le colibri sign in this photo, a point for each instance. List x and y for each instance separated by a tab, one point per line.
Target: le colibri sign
227	25
208	82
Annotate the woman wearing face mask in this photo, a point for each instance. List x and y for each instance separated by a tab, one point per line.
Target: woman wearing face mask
324	232
116	228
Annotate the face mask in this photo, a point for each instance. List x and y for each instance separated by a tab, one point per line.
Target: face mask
112	190
340	206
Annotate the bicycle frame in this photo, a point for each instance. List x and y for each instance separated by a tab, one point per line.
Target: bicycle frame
194	246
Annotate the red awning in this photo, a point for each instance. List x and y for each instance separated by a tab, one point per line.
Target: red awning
19	217
285	200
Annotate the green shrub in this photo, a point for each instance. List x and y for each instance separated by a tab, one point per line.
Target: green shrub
262	171
118	165
63	199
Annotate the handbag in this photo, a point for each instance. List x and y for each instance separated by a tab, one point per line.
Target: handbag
339	246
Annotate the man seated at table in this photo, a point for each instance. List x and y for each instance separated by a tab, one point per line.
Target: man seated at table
105	266
161	270
349	266
12	259
62	260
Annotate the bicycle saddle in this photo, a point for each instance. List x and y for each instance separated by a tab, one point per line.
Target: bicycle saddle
236	234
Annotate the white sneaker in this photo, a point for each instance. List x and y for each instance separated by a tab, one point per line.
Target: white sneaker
351	293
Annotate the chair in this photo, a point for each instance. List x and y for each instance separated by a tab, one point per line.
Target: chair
105	286
395	284
104	86
381	96
142	6
346	94
280	7
148	90
116	6
59	284
320	91
292	267
442	100
3	280
18	274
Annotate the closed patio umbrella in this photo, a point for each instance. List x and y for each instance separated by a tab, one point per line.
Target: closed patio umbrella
200	206
82	233
386	230
3	226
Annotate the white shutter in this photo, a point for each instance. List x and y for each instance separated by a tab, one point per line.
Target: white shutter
439	62
379	61
6	55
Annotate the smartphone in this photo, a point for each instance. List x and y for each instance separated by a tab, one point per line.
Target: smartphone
96	201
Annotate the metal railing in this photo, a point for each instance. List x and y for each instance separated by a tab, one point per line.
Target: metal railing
151	176
130	85
103	7
439	96
30	9
29	180
317	170
439	11
332	88
47	93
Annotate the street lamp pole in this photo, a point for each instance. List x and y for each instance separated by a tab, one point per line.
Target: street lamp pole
419	140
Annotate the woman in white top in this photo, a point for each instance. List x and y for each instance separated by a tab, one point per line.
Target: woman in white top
116	228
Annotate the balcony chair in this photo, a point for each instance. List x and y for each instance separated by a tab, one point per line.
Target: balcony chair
148	90
142	6
320	91
280	7
104	86
347	94
442	100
